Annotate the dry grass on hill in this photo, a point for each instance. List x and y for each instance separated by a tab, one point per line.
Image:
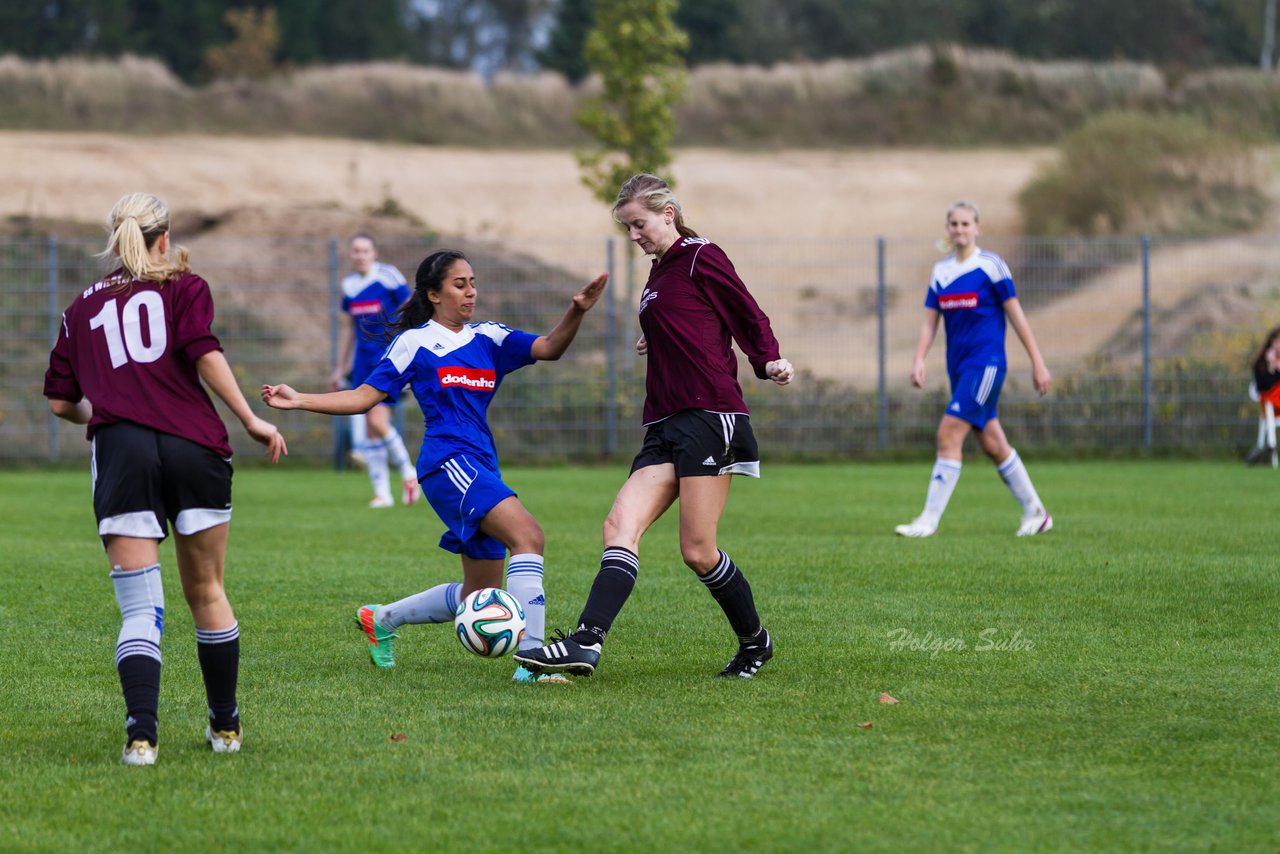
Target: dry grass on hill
532	203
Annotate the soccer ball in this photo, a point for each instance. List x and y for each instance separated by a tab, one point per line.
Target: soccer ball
489	622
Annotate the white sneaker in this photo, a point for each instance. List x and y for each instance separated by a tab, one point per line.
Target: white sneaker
412	492
917	527
358	459
224	740
1036	523
139	752
380	501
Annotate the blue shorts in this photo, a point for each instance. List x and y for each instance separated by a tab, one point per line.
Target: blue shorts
461	493
974	394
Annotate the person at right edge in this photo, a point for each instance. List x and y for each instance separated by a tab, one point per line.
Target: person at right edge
693	307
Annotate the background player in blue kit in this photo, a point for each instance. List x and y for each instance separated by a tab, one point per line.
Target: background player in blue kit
371	294
455	367
973	291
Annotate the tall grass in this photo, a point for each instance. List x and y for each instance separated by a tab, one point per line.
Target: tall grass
923	95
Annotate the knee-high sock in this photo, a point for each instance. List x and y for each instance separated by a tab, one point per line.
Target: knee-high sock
218	651
375	455
613	584
1014	474
438	604
729	587
140	596
524	581
398	454
359	435
942	482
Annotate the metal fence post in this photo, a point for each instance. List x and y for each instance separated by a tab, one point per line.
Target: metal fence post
54	318
1146	343
882	436
340	424
611	354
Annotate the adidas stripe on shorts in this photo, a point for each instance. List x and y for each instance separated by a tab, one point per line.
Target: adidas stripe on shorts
701	443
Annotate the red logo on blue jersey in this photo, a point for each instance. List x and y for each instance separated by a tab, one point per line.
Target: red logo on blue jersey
475	379
362	307
950	302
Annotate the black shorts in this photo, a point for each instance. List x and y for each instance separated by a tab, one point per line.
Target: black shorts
143	478
701	443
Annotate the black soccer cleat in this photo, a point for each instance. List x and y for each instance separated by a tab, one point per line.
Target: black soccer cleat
749	660
563	655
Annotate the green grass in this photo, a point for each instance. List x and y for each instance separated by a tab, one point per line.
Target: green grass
1134	706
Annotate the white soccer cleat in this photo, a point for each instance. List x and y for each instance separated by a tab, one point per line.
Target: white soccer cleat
139	752
381	501
1035	523
224	740
917	527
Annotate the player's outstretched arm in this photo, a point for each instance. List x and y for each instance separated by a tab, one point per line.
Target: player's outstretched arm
216	373
349	402
1040	376
552	346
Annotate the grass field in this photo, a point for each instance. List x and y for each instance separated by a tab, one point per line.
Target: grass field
1109	686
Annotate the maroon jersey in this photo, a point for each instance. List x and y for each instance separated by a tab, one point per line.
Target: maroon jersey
692	309
132	351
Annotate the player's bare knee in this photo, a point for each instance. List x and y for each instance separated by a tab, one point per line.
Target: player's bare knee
529	540
700	557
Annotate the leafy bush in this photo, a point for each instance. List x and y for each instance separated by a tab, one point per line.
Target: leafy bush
1128	172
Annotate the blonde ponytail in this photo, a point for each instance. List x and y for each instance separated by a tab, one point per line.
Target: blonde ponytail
135	224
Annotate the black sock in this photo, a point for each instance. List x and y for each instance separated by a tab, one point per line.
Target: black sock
140	682
729	587
609	592
219	654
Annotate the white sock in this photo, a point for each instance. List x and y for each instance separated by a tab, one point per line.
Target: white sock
375	457
941	484
140	596
358	434
1014	474
524	581
399	455
437	605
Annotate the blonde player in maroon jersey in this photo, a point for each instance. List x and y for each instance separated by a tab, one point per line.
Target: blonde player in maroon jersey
693	308
129	361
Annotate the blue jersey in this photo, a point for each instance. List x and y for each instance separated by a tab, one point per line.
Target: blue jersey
371	299
454	377
970	295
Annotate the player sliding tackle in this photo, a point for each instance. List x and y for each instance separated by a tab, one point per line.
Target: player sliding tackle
455	367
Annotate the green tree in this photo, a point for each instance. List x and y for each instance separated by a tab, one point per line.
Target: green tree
317	32
567	39
252	54
637	50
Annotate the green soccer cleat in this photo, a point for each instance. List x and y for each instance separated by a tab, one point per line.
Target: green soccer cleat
525	675
382	642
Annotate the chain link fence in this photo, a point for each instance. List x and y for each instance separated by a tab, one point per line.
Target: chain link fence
1149	342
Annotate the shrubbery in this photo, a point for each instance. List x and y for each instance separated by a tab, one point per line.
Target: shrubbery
939	95
1129	172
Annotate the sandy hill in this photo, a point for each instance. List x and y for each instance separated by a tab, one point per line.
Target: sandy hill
797	222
